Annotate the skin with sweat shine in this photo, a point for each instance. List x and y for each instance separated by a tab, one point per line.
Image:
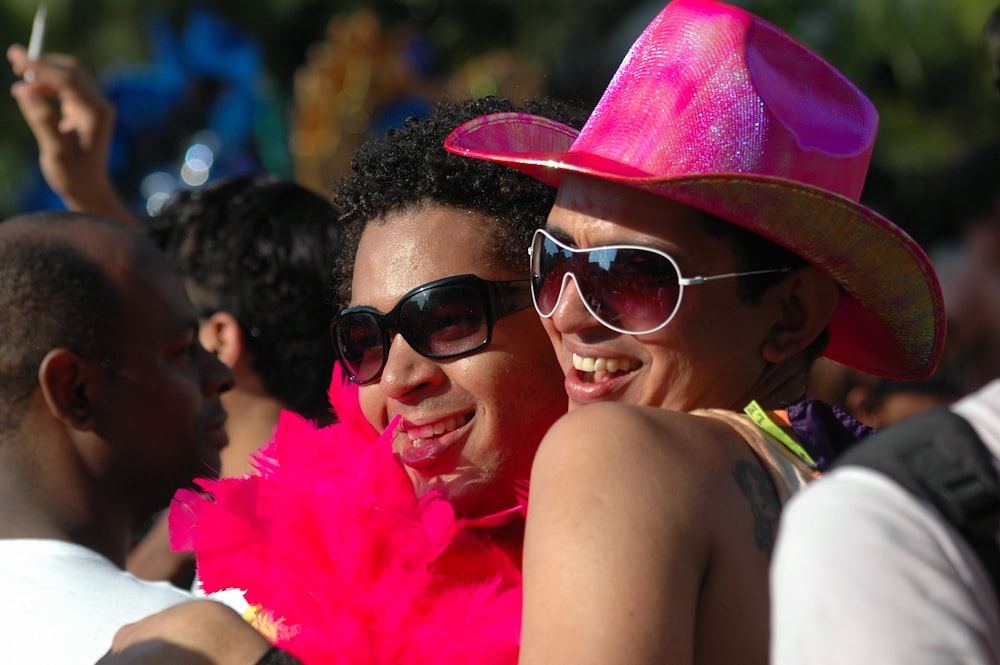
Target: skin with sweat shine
469	426
678	367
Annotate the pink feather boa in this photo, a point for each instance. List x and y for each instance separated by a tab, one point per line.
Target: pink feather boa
344	562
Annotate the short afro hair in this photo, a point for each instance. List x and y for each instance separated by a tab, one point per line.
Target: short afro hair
409	168
52	296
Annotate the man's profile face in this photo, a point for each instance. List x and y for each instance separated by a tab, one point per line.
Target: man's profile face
157	403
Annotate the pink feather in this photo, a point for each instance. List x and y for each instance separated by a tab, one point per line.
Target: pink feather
330	540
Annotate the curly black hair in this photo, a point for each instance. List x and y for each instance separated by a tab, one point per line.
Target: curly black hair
410	168
52	296
262	249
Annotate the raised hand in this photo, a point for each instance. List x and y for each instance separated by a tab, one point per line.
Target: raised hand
72	122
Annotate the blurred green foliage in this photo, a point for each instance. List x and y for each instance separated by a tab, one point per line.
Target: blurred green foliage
923	62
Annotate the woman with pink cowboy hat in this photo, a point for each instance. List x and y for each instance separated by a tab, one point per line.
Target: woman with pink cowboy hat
706	246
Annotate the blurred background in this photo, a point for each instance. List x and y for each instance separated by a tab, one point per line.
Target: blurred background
212	89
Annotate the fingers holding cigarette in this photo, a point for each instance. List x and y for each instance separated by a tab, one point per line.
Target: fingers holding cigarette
52	70
55	77
82	107
71	119
37	40
60	77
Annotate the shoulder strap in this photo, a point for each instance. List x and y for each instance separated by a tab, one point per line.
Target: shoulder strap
938	456
787	471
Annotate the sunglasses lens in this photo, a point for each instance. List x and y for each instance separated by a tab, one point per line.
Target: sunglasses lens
360	343
627	289
446	321
630	289
549	263
438	321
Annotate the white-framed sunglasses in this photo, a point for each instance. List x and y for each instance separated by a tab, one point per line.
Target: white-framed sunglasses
630	289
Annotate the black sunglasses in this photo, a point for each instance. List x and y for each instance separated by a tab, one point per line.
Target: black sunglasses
446	318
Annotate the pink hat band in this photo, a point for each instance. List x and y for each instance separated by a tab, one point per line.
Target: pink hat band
717	109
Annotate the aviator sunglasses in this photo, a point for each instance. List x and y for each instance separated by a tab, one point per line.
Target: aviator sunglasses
630	289
446	318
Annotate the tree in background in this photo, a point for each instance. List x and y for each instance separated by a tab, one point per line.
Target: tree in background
923	62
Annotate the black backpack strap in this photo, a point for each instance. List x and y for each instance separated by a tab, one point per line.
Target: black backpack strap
939	457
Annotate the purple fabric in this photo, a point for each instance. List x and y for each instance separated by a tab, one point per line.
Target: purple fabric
825	430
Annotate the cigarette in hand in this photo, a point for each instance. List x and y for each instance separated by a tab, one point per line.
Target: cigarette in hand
37	39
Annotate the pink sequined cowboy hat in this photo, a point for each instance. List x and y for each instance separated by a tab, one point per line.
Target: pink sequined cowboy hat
720	110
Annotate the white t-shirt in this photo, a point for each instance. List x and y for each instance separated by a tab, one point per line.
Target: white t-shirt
864	573
61	603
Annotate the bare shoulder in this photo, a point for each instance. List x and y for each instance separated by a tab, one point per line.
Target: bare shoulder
697	469
643	438
660	511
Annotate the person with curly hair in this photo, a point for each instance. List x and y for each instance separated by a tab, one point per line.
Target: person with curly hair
256	252
441	353
409	203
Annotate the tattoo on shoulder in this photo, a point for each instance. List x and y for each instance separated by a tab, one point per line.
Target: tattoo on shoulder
765	506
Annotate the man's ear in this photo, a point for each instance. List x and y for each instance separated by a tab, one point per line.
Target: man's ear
862	403
64	380
805	302
222	335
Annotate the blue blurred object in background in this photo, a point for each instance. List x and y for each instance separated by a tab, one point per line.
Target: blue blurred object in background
185	119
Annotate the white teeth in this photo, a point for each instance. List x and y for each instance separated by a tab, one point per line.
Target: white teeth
586	364
418	433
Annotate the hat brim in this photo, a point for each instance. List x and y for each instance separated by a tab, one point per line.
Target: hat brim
890	321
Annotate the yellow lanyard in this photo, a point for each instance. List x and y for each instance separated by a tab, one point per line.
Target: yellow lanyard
762	420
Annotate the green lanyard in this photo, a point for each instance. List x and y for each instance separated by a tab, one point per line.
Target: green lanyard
762	420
